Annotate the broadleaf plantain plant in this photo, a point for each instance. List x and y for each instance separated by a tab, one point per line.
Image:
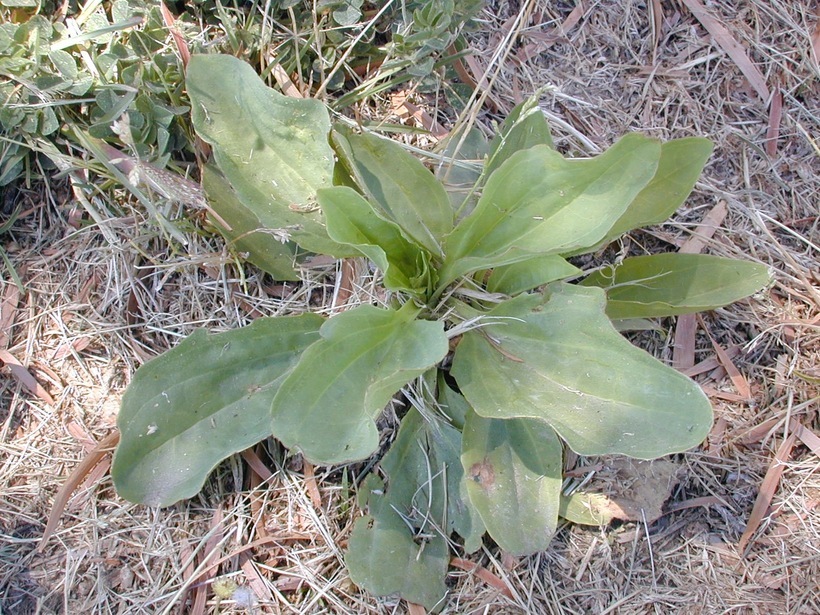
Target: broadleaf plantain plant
509	362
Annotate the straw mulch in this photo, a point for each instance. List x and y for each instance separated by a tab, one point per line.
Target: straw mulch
739	529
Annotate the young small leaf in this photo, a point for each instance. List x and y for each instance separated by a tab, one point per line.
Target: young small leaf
672	284
461	168
557	358
406	191
205	399
524	127
529	274
513	473
327	406
353	221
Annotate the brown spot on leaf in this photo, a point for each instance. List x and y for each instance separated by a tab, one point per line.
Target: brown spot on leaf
483	473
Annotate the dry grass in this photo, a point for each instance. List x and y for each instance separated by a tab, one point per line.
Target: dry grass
95	310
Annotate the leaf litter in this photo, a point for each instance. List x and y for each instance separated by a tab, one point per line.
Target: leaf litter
740	527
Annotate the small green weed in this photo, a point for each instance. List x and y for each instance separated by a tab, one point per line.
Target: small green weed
504	362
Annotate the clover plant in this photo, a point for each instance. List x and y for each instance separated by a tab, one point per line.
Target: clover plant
512	352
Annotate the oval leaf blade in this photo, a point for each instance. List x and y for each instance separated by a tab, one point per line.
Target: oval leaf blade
675	283
408	193
531	273
384	558
513	474
538	202
205	399
272	149
557	358
328	405
679	167
251	232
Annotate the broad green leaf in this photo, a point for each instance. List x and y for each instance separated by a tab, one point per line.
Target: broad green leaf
252	231
556	357
353	221
525	127
680	165
327	406
529	274
423	499
586	508
425	478
386	558
672	284
405	190
539	203
513	470
272	149
205	399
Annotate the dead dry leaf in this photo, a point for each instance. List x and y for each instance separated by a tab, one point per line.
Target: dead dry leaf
683	348
738	379
636	490
807	437
767	491
724	39
105	446
773	128
548	39
311	485
482	573
255	580
29	382
415	609
8	309
179	40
